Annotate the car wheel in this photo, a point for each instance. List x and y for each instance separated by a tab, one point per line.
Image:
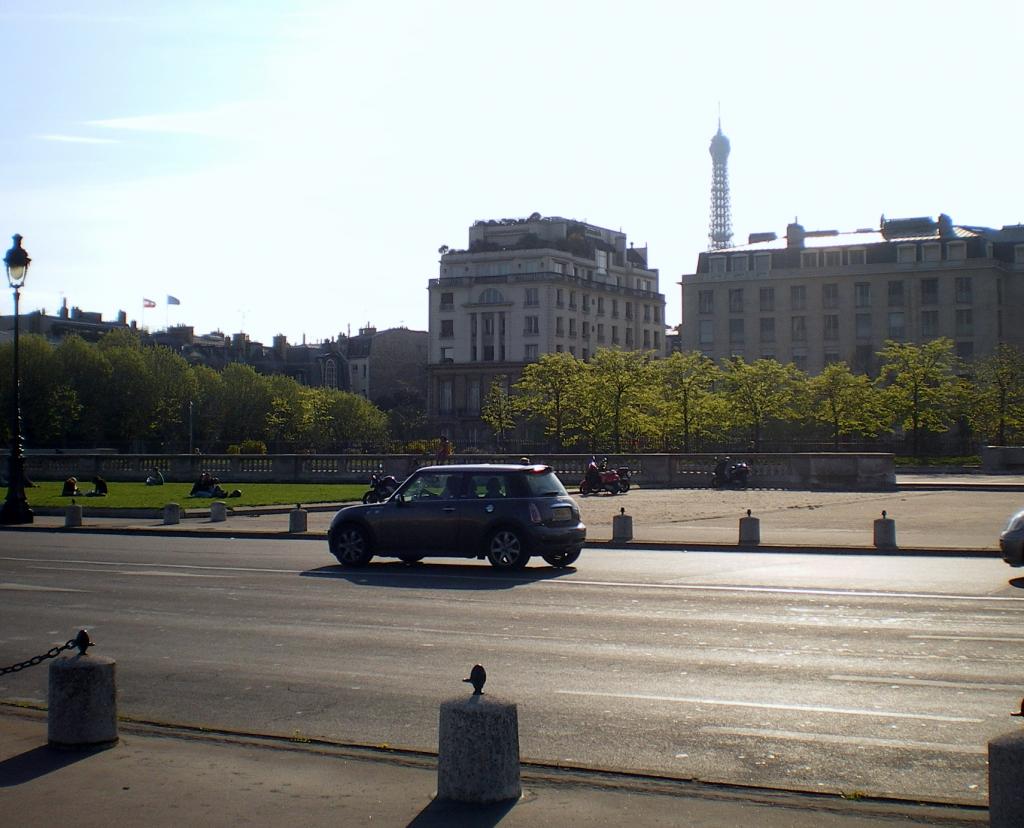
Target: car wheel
624	486
351	545
562	559
506	550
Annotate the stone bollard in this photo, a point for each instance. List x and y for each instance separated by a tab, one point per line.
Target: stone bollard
885	532
172	514
622	526
218	511
82	702
478	750
297	519
1006	780
750	530
73	515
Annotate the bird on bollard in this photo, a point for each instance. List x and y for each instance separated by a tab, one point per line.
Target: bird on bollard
477	677
1014	714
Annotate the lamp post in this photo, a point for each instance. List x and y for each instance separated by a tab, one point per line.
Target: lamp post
16	508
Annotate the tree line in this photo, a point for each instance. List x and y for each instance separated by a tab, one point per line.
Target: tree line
621	399
121	394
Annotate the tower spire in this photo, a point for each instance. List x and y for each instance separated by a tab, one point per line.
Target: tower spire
720	225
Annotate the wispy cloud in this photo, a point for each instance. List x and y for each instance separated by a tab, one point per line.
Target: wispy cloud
234	120
77	139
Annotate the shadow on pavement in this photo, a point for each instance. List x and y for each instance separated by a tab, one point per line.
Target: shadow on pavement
437	576
38	762
1017	582
442	813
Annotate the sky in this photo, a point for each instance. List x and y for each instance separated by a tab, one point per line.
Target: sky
293	167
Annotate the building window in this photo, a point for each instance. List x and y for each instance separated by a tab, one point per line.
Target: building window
491	296
809	258
586	303
833	258
862	295
559	326
572	300
705	332
798	297
767	298
600	306
615	334
717	264
600	331
800	362
964	290
586	329
488	353
929	291
532	297
657	340
706	301
572	350
897	325
768	329
447	328
736	300
895	294
531	325
862	326
1018	253
445	401
657	314
629	336
831	356
586	354
964	322
830	296
447	301
446	355
629	310
739	264
929	324
572	326
956	251
559	349
559	298
762	262
473	396
647	313
736	333
831	327
615	308
931	252
965	351
906	254
331	374
798	328
862	355
855	257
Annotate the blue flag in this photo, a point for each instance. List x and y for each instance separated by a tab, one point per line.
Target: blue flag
173	300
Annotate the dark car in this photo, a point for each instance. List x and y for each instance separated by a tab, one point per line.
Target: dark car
1011	541
504	513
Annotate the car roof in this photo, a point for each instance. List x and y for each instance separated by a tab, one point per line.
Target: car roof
480	468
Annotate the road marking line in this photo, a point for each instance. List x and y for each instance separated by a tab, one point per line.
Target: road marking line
802	708
566	581
1016	640
838	739
34	588
131	573
960	685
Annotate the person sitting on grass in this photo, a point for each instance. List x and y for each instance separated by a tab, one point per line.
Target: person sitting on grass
155	478
70	488
99	487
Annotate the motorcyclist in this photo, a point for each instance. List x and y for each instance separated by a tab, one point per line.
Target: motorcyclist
593	475
721	469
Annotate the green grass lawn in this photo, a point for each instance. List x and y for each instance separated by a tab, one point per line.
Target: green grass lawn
139	495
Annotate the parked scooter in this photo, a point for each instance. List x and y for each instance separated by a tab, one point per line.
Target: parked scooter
381	488
624	478
600	478
730	475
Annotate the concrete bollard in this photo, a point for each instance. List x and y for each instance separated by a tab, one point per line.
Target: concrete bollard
478	750
750	530
297	519
218	511
622	526
82	702
172	514
73	515
885	532
1006	780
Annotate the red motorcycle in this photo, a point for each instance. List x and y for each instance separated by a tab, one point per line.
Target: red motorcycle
600	478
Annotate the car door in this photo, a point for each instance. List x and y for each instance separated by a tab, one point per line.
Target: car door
426	519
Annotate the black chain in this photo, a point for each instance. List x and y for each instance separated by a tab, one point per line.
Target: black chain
81	641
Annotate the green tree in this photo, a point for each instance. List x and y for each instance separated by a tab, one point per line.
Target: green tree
620	396
86	371
550	390
997	406
129	401
847	403
500	410
174	385
49	407
687	381
208	409
920	386
291	409
247	402
341	420
760	392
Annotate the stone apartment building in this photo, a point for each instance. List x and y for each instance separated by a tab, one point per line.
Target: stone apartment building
817	297
526	287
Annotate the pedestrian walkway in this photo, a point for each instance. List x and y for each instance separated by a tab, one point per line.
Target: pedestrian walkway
166	776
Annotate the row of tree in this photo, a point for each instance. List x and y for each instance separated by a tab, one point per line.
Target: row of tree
121	394
622	398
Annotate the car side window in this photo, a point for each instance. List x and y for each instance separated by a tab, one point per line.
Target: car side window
489	486
452	487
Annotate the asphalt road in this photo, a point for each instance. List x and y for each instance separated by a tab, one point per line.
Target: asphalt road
861	674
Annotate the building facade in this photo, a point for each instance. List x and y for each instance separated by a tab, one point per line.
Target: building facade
817	297
527	287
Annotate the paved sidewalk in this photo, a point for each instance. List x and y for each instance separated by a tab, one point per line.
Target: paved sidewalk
163	776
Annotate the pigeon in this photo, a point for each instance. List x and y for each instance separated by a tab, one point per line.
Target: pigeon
1012	714
477	677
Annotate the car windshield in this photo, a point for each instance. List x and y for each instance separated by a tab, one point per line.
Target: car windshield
1016	521
544	484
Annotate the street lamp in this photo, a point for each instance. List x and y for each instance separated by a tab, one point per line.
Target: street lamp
16	508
